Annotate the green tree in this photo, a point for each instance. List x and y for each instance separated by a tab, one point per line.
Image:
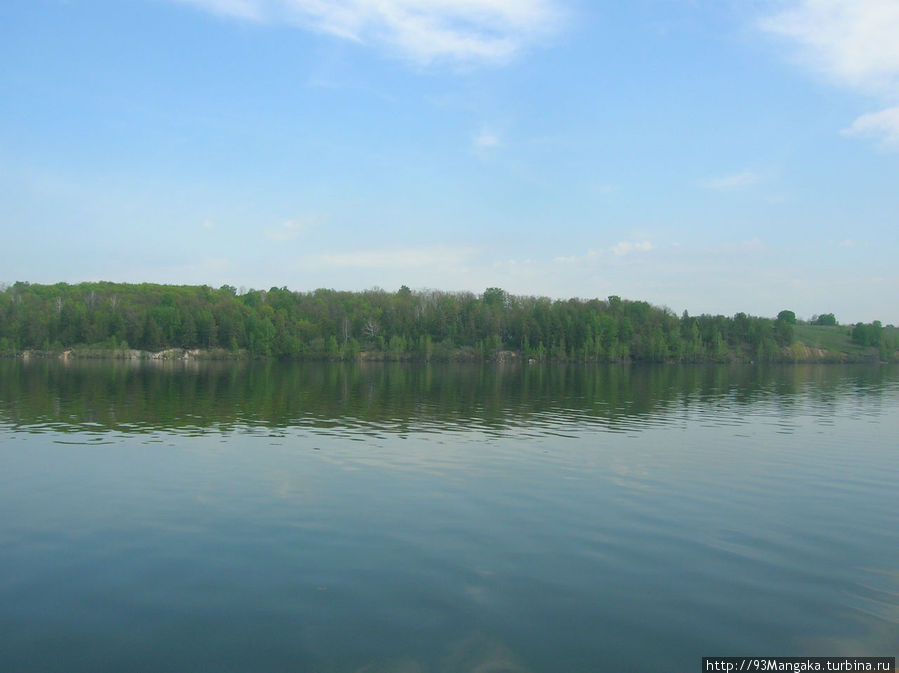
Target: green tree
867	334
825	319
788	317
783	332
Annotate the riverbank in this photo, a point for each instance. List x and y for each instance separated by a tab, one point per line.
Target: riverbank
798	353
99	353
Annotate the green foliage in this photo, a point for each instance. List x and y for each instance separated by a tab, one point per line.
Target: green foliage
825	320
868	334
402	325
788	317
783	328
494	297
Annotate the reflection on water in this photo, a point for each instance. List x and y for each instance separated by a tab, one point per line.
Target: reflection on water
315	517
134	396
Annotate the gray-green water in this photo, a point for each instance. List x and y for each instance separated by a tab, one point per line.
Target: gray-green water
266	517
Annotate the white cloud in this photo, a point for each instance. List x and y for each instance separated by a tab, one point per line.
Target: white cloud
731	182
577	259
406	258
883	125
485	140
620	249
424	31
287	230
853	42
626	247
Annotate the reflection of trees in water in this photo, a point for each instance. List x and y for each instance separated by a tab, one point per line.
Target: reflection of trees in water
141	396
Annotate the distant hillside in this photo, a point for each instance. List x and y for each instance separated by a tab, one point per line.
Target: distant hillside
115	318
838	339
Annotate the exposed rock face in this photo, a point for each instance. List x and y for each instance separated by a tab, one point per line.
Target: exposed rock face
120	354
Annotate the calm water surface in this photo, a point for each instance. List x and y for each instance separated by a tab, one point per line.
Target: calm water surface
268	517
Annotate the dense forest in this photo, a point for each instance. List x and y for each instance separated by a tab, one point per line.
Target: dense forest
376	324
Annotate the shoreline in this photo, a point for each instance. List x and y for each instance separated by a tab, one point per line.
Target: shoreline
798	353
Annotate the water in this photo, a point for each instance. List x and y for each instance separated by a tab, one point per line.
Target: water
269	517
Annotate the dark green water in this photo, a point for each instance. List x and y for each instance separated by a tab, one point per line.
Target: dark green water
266	517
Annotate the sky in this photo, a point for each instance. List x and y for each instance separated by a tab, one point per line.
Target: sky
713	156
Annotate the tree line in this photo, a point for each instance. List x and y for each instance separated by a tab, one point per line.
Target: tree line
406	324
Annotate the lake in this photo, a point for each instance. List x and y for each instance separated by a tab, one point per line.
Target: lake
413	518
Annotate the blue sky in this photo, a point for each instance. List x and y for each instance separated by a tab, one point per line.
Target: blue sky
709	155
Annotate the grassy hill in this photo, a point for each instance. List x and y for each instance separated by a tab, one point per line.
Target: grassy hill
829	338
837	340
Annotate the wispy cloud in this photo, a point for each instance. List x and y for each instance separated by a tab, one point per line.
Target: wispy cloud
405	258
620	249
288	230
627	247
575	259
425	31
883	125
852	42
732	182
485	140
